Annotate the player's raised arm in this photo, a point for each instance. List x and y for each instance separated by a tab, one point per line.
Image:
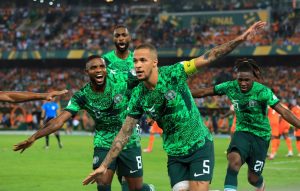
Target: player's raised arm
224	49
50	127
287	115
15	97
117	146
203	92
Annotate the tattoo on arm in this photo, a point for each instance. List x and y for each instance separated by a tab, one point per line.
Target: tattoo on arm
221	51
120	140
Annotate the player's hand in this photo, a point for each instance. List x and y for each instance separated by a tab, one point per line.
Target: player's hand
24	145
253	30
53	94
91	178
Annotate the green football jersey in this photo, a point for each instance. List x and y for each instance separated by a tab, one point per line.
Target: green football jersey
250	107
122	67
108	109
172	106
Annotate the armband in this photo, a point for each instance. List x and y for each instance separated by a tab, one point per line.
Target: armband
189	67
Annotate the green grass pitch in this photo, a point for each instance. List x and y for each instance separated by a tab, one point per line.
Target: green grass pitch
57	169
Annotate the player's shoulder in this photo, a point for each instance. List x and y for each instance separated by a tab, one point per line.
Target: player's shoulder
263	91
116	77
83	90
138	89
173	68
108	54
228	84
117	83
260	87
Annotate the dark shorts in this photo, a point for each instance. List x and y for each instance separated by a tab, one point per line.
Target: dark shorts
253	150
129	162
196	166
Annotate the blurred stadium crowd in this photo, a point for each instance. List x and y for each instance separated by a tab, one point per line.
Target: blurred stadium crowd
89	27
83	25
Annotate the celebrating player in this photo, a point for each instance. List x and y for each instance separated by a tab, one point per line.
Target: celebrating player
251	139
105	99
165	97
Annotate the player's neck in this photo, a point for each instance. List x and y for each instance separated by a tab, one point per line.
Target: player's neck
151	82
122	55
98	88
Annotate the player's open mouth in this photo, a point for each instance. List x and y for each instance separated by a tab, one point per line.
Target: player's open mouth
99	78
139	74
122	45
244	88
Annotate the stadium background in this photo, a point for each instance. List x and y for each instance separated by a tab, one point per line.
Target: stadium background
44	43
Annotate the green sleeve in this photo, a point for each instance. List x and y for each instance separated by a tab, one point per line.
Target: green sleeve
176	71
221	89
74	105
272	99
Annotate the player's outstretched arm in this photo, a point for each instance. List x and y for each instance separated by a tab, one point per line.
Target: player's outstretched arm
224	49
203	92
117	146
50	127
287	115
53	94
16	97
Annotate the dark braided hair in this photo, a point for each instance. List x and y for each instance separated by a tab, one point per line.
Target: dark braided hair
248	65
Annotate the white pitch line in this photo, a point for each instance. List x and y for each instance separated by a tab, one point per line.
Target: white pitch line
279	168
284	162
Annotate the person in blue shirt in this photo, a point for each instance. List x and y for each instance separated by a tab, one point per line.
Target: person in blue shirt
49	111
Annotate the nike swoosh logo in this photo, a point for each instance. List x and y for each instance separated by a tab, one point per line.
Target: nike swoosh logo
133	171
113	71
196	175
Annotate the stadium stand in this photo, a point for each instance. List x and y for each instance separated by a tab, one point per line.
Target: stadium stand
88	25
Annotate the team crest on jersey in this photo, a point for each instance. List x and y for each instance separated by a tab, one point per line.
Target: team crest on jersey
95	159
252	103
170	95
118	98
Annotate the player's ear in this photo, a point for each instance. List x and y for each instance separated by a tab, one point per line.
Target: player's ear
155	62
86	67
86	71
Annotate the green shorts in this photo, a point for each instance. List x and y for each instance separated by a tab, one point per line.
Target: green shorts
196	166
253	150
128	163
